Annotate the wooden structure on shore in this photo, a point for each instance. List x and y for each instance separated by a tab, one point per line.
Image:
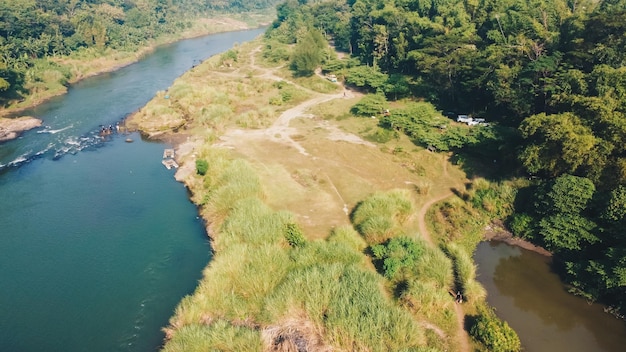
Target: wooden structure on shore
168	159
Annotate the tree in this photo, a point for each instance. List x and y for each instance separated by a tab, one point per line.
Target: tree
566	232
307	55
557	144
566	195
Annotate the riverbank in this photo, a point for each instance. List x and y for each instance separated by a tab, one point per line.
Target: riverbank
497	232
115	60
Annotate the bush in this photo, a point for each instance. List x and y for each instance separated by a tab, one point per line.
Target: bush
494	333
293	235
396	255
521	224
202	166
370	105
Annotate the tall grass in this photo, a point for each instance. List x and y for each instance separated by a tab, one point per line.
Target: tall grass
465	273
252	222
238	181
381	216
219	336
494	198
346	235
457	221
429	302
348	303
256	281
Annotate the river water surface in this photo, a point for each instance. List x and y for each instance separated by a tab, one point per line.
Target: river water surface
98	242
533	301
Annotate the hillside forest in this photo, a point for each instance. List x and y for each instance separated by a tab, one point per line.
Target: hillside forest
549	77
35	35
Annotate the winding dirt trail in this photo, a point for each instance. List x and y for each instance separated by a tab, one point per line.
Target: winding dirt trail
462	336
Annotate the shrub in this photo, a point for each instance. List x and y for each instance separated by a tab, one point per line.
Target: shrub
370	105
494	333
521	224
202	166
396	255
294	235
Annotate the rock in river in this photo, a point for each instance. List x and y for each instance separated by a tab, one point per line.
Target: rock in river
10	128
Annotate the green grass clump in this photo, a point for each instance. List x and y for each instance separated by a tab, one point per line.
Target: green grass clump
346	301
381	216
465	273
252	222
429	302
457	221
346	235
494	198
218	336
238	181
435	267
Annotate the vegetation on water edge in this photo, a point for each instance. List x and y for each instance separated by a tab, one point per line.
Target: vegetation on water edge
47	44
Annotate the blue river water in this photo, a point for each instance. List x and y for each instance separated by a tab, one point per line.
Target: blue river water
98	242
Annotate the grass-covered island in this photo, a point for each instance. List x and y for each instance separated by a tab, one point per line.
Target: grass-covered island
330	232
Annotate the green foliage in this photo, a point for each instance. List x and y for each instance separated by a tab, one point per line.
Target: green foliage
397	254
202	166
307	55
566	232
494	333
370	105
368	78
615	210
275	52
381	215
566	195
381	135
522	225
556	144
294	235
229	57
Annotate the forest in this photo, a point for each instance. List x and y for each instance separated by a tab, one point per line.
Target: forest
33	30
549	75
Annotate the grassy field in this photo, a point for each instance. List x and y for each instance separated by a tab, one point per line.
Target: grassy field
305	210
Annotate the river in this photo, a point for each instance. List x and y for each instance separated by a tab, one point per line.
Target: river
98	242
533	301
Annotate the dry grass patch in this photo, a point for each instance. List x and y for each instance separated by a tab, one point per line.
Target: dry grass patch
295	333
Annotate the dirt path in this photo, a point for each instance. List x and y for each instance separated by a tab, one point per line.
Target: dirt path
462	336
279	131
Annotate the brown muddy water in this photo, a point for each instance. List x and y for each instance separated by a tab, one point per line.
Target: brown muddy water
532	300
